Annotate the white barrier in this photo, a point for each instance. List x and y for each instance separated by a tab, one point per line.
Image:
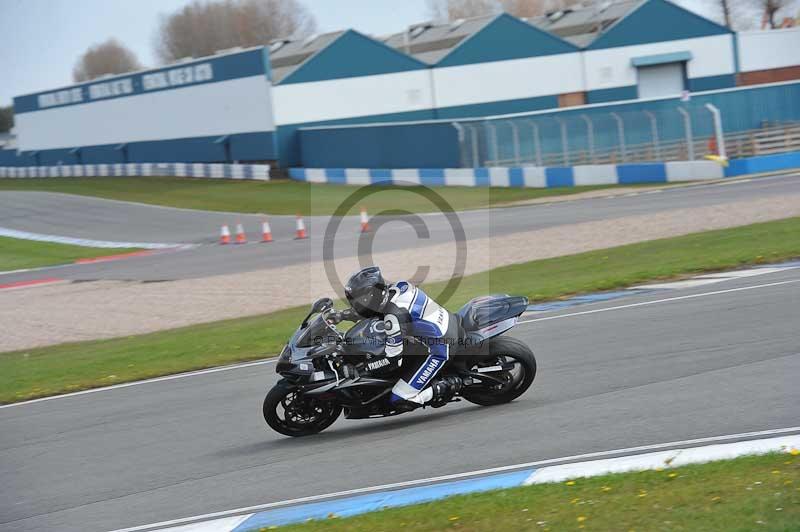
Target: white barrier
259	172
529	176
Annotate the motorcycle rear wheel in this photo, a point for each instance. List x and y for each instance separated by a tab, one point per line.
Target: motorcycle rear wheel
505	349
290	414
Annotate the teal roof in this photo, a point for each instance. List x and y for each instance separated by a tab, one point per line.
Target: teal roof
506	37
346	55
656	21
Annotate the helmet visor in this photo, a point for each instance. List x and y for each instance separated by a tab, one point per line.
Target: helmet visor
368	303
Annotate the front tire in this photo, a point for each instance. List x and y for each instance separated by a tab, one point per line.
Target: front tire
504	350
292	414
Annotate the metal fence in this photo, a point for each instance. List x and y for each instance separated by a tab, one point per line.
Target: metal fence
731	125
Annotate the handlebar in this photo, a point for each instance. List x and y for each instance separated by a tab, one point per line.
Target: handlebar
335	317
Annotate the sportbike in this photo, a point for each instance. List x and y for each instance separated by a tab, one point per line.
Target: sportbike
326	371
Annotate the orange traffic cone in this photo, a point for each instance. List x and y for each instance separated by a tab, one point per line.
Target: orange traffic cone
225	235
241	238
266	232
364	221
300	234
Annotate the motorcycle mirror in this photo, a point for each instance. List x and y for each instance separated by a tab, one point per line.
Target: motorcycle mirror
322	304
318	306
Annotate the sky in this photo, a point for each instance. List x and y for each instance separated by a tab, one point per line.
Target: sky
40	40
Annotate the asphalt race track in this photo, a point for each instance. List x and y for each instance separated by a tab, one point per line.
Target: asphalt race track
721	363
85	217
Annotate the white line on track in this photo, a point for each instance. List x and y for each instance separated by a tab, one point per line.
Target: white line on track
23	270
654	302
87	242
261	362
480	472
147	381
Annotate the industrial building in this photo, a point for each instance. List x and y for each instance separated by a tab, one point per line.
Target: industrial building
255	105
201	110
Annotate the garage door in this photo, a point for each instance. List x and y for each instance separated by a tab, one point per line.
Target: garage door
661	80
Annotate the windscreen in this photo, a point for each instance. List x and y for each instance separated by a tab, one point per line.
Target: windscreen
316	333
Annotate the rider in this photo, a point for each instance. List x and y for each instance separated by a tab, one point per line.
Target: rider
408	313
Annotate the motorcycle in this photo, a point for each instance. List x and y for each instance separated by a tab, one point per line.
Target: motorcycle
325	371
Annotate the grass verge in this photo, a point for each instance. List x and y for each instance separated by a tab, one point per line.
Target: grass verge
69	367
749	493
275	197
16	254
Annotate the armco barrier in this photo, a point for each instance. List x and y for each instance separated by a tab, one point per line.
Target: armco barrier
207	170
536	177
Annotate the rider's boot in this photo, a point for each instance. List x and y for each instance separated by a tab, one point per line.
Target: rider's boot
444	390
436	395
400	404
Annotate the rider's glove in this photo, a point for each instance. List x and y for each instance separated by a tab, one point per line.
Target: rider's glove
349	314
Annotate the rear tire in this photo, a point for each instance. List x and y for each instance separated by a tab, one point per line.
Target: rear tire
508	348
293	415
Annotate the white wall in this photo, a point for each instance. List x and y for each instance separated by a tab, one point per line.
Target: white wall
762	50
297	103
508	80
240	105
611	67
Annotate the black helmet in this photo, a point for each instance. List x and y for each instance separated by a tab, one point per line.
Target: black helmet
367	292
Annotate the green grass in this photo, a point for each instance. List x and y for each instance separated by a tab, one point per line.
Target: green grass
16	254
611	268
749	493
275	197
49	370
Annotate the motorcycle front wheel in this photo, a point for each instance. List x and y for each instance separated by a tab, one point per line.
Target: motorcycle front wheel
293	414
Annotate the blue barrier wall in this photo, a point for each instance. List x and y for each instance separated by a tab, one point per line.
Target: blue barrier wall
8	157
763	163
427	145
289	145
434	144
241	147
741	110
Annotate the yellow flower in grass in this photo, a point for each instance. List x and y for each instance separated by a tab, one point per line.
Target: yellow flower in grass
776	472
642	493
581	518
794	452
570	483
606	488
453	518
672	475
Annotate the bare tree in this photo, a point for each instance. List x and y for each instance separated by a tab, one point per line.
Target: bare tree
109	57
444	10
770	9
725	6
6	118
448	10
735	14
535	8
204	27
